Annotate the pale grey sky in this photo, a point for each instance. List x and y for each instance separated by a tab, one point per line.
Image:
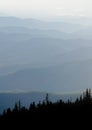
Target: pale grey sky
42	8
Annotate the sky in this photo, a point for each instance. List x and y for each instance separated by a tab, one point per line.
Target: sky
42	8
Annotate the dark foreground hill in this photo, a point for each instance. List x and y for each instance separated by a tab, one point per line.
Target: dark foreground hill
59	115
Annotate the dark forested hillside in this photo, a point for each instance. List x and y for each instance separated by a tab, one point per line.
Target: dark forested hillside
49	115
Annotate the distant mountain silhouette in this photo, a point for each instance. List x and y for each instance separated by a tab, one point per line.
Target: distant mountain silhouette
55	56
63	26
71	77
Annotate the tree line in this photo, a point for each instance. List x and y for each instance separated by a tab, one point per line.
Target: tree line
49	114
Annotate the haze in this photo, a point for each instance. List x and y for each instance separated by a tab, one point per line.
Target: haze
45	8
45	45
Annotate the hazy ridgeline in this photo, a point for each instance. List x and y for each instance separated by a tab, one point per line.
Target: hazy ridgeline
52	56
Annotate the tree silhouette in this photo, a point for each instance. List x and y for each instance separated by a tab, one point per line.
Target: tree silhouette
59	112
47	98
